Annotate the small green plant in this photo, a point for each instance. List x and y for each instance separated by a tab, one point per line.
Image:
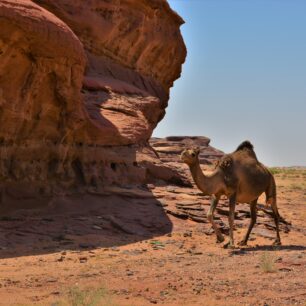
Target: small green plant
267	262
156	242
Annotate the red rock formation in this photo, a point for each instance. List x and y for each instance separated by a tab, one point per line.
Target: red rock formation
170	148
135	52
82	86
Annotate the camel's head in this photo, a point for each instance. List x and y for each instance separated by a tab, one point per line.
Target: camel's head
190	156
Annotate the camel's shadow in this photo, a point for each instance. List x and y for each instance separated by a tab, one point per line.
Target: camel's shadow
269	248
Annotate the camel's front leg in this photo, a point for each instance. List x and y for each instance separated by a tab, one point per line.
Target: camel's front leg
231	218
252	222
210	217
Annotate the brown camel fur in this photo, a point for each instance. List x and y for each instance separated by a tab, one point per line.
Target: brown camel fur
242	178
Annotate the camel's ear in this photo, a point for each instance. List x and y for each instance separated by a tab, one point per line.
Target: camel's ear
197	150
216	163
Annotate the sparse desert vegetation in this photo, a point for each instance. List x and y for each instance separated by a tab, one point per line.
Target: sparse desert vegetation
294	178
289	172
267	262
76	296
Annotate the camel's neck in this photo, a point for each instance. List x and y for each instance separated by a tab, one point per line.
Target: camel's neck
207	184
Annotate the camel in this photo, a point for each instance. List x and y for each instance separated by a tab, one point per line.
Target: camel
241	178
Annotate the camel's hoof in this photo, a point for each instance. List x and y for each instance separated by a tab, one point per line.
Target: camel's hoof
228	245
277	242
243	243
220	239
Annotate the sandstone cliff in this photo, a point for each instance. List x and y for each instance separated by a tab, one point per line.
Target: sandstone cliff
82	86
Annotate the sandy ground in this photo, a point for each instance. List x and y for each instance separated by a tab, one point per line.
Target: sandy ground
125	249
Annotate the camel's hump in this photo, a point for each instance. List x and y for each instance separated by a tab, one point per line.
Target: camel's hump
245	145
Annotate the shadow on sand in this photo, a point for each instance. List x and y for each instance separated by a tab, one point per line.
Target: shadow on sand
245	250
81	222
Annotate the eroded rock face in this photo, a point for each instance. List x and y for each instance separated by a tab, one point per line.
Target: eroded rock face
142	35
82	86
135	51
41	65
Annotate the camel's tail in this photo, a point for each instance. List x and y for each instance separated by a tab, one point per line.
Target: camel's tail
245	145
271	196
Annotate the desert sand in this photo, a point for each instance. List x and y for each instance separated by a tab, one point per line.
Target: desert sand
141	247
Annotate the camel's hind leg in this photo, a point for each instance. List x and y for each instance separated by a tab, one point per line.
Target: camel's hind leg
271	199
210	217
252	222
276	219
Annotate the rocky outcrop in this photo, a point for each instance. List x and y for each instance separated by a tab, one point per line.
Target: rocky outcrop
82	86
169	148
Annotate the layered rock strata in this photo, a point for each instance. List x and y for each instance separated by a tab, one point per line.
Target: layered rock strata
169	148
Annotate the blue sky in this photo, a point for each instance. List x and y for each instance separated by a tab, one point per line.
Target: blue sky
244	77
